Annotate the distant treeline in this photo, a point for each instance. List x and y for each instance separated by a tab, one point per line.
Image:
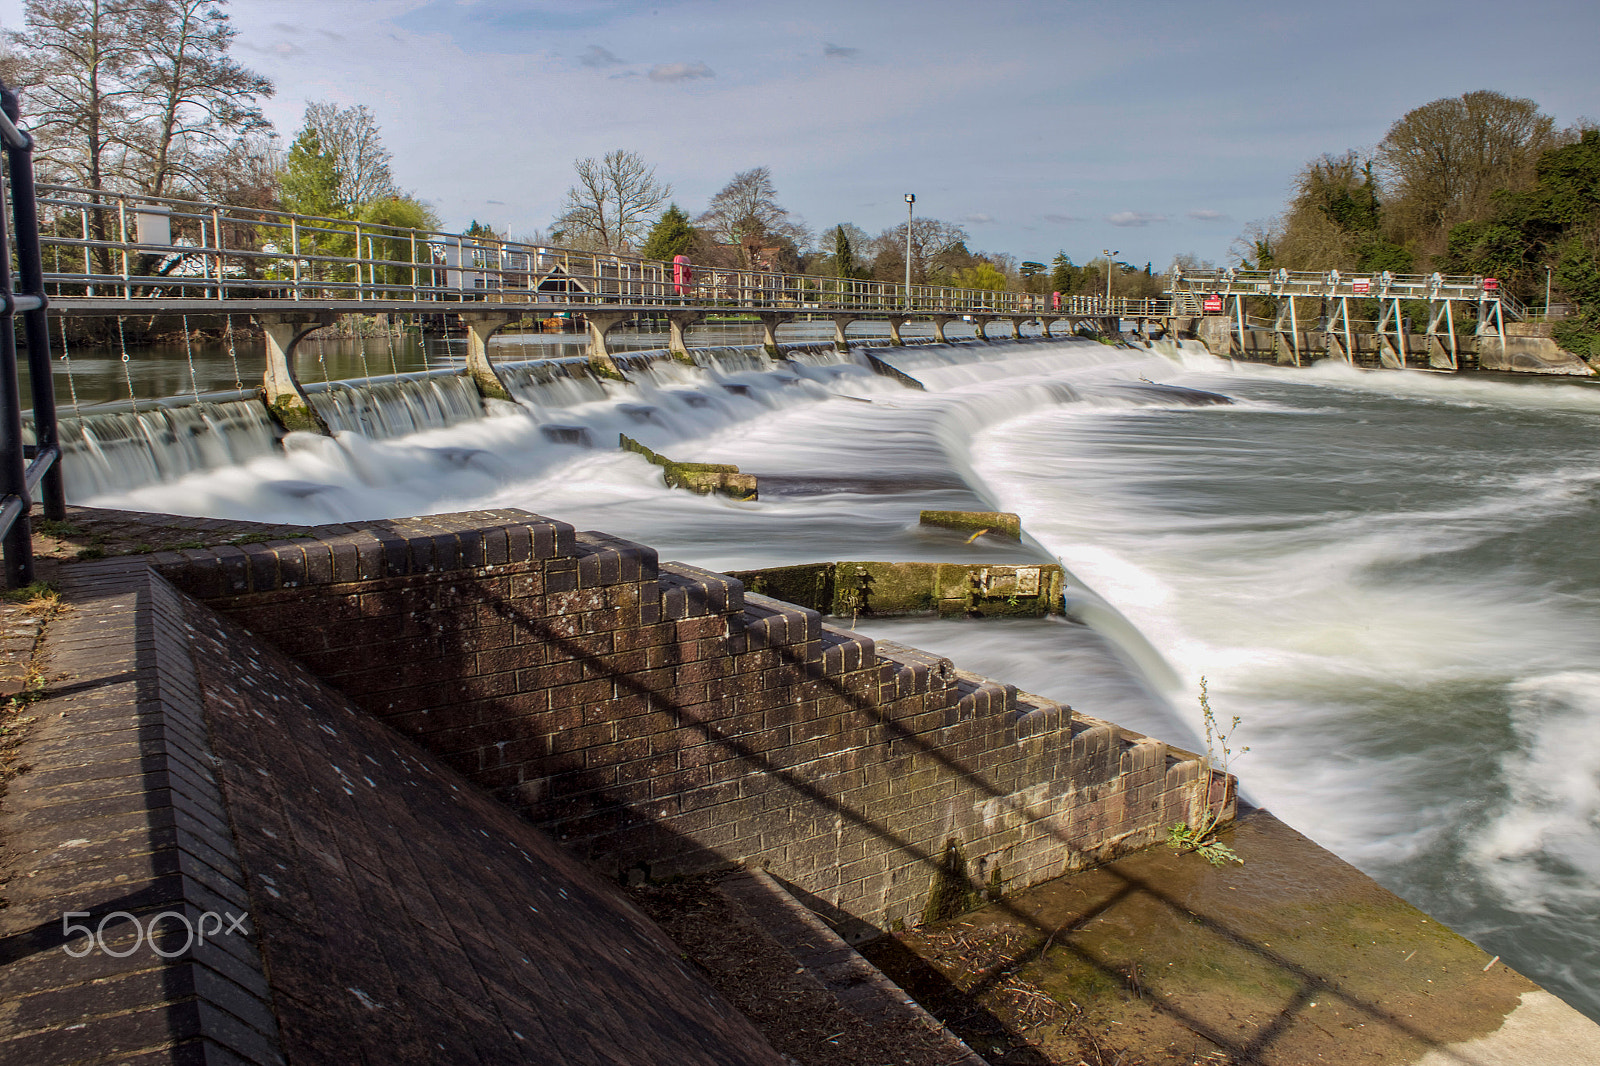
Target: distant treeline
1477	184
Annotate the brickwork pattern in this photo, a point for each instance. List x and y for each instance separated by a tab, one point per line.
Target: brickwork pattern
120	813
392	912
657	718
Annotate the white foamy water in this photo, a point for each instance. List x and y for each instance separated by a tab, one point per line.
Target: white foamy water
1388	577
1389	580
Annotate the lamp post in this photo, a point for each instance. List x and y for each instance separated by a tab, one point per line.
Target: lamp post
911	201
1547	270
1109	253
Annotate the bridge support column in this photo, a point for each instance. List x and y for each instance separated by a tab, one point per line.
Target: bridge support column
677	323
840	324
1045	322
481	325
939	322
285	398
1016	326
601	323
770	321
895	322
978	324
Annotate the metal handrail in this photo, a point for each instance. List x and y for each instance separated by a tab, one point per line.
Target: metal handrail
1185	285
220	252
21	474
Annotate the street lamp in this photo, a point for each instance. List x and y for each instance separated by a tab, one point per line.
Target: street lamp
911	200
1109	253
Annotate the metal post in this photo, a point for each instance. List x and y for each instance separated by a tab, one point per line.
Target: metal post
216	232
1109	253
911	201
1547	271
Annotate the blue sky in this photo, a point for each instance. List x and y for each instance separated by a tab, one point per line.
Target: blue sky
1149	127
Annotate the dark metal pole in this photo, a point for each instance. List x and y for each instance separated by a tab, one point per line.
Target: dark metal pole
36	322
18	539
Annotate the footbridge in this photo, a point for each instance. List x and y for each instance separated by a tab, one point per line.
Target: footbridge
1358	318
123	254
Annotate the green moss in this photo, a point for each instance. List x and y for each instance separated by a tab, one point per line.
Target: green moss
489	386
949	893
994	523
722	479
295	416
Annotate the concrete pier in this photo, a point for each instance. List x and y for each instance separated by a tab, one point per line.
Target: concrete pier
283	331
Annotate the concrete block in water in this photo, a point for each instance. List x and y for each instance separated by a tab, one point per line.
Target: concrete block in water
886	590
722	479
999	523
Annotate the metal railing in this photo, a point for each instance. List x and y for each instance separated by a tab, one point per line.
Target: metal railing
1189	288
23	293
130	247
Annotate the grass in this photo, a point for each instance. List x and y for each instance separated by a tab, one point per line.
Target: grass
1201	838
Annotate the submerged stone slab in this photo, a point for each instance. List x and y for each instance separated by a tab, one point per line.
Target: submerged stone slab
995	523
887	590
705	479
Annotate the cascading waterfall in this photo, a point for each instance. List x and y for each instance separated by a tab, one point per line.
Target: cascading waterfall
1384	574
118	451
396	407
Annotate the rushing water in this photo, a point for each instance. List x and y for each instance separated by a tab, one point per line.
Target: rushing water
1389	577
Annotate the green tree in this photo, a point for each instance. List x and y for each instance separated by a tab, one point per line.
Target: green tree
670	236
1033	276
310	178
387	227
1063	275
979	275
309	185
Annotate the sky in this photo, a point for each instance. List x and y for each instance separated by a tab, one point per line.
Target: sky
1147	127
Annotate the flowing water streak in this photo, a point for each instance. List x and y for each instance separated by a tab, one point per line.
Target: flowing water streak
1383	574
1387	577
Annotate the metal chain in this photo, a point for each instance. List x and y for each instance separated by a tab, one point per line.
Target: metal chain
393	366
188	350
66	359
127	373
322	359
234	355
365	369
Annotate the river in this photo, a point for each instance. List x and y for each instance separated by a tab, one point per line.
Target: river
1389	578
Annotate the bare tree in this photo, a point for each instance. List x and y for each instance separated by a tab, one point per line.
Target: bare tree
613	204
936	248
350	135
76	58
197	101
1445	159
745	212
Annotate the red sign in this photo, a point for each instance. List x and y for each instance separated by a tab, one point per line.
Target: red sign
1491	284
1361	286
1212	305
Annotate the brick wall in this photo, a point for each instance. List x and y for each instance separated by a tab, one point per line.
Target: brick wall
659	720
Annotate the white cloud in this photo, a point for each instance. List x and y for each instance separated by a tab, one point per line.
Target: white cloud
595	56
1134	218
1062	220
839	51
1207	215
680	72
979	219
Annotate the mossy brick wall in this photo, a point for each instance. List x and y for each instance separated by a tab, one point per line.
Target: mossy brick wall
656	718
